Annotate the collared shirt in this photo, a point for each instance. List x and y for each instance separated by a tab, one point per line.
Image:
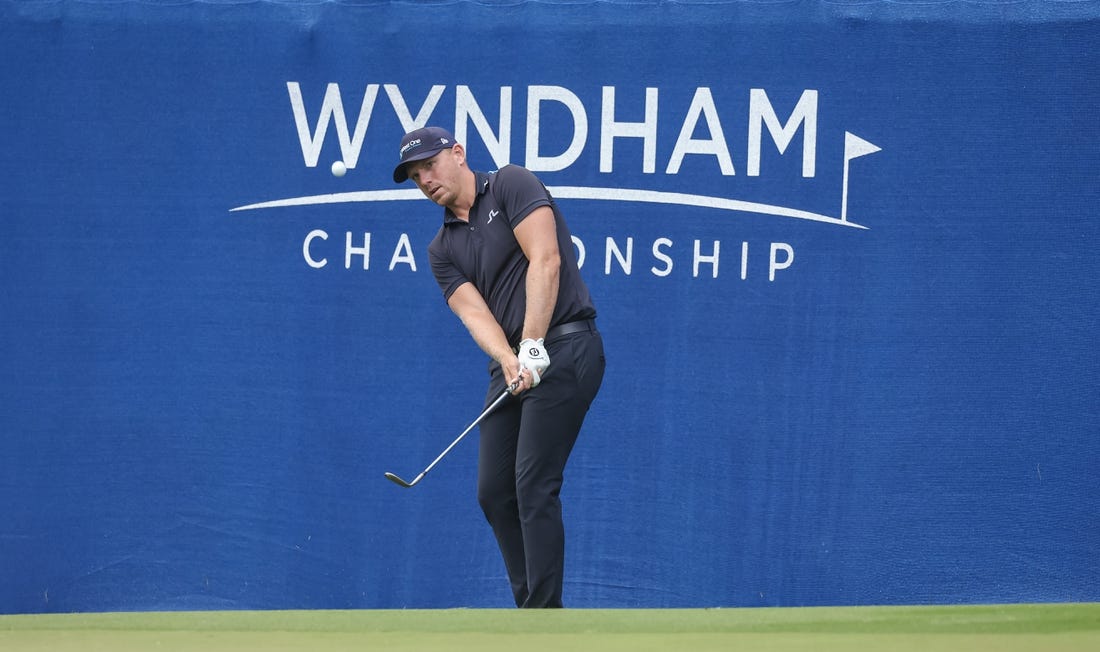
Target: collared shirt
484	251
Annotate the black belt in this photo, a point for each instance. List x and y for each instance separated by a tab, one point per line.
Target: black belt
567	328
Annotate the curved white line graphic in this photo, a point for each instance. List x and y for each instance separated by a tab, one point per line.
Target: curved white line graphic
572	192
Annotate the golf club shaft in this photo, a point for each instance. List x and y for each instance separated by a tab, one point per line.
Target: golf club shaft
492	406
503	395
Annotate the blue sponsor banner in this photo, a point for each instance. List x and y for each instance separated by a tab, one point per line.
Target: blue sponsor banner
843	256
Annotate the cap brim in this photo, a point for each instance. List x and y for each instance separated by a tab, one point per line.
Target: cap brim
399	174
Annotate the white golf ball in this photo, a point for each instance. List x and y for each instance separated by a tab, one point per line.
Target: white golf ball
339	169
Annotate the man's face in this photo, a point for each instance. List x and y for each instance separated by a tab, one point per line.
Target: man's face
439	177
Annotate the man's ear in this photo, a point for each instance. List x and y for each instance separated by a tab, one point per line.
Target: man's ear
459	153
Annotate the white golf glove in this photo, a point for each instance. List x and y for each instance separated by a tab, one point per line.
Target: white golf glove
533	357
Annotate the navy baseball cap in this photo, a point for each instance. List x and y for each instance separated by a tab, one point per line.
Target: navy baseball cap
421	144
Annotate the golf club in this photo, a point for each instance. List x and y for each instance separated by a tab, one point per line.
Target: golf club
503	395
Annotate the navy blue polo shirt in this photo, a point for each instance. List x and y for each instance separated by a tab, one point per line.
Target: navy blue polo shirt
485	252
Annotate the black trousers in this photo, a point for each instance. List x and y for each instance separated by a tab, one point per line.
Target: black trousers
524	447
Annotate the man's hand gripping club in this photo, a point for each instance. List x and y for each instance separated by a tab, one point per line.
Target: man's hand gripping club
534	358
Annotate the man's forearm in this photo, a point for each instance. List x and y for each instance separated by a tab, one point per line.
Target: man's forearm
468	304
488	335
542	296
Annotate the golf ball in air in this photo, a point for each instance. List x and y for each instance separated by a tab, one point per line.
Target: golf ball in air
339	169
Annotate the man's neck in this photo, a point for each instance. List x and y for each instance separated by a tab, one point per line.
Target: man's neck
466	197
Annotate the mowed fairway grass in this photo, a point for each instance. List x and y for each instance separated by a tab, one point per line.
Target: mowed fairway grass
1001	628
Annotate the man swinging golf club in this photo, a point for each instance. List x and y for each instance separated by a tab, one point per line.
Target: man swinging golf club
504	260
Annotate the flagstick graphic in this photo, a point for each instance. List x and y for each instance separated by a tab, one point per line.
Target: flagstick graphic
854	147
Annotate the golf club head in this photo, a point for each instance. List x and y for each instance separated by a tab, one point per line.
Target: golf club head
398	481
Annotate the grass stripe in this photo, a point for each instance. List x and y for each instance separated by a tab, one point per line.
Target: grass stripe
1061	627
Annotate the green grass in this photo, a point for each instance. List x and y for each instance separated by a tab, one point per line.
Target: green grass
1004	628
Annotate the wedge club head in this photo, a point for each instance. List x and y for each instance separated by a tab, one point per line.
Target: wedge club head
398	481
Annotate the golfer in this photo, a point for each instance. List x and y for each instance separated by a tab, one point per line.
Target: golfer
505	263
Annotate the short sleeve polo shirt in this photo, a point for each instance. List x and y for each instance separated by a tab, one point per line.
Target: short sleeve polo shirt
484	251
